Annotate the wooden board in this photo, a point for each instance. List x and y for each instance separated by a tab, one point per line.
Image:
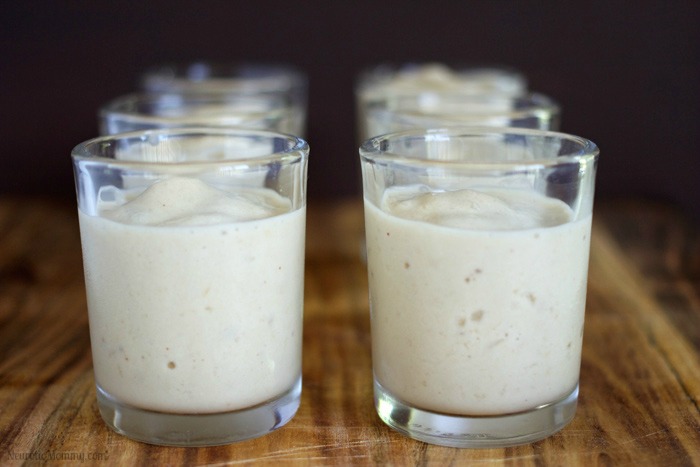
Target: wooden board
640	376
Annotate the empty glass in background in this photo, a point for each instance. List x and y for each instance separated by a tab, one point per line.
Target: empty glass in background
279	82
383	82
477	247
194	271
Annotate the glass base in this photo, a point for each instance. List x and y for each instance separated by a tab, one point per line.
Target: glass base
170	429
474	431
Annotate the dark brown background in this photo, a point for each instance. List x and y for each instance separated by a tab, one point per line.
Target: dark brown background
626	73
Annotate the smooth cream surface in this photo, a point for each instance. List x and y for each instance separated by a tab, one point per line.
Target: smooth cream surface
478	210
184	201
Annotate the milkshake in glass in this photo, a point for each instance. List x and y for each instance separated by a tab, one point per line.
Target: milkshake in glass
146	111
387	86
477	246
432	109
408	78
194	277
274	81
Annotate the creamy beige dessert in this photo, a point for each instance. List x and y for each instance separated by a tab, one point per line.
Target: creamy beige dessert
477	298
195	296
440	77
434	95
148	111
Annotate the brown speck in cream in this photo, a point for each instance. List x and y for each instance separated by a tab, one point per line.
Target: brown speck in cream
477	315
171	365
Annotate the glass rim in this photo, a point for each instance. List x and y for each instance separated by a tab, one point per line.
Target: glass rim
383	71
120	104
124	108
531	103
370	150
186	76
298	149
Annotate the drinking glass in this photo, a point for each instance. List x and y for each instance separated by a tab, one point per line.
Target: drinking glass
142	111
193	250
276	81
430	109
477	248
382	82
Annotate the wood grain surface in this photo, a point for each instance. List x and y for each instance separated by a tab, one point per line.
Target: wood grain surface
640	375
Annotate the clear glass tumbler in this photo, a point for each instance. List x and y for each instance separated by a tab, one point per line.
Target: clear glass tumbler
430	109
477	246
388	81
146	111
276	81
193	249
385	79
